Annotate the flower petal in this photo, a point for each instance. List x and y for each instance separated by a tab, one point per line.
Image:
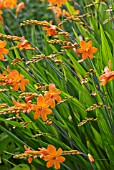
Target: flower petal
29	160
51	87
60	159
83	44
93	50
59	152
89	44
22	87
53	104
44	116
40	100
57	165
51	149
36	115
58	98
50	163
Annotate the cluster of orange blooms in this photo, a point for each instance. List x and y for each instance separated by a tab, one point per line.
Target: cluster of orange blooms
41	108
23	44
6	4
51	155
13	78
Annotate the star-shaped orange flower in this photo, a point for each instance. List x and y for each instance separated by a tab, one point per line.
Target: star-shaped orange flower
54	157
52	95
41	109
87	50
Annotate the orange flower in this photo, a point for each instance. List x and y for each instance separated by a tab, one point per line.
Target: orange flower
107	76
57	2
50	30
14	78
20	7
52	95
54	157
24	44
17	80
2	49
41	109
87	50
26	107
8	3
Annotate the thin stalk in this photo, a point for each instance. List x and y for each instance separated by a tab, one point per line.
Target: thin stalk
16	19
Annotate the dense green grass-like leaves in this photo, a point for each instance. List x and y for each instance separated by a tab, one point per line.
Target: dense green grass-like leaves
84	119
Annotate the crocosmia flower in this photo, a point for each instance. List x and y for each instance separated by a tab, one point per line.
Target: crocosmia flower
52	95
54	157
107	76
87	50
41	109
51	30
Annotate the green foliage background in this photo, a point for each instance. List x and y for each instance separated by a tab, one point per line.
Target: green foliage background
94	137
